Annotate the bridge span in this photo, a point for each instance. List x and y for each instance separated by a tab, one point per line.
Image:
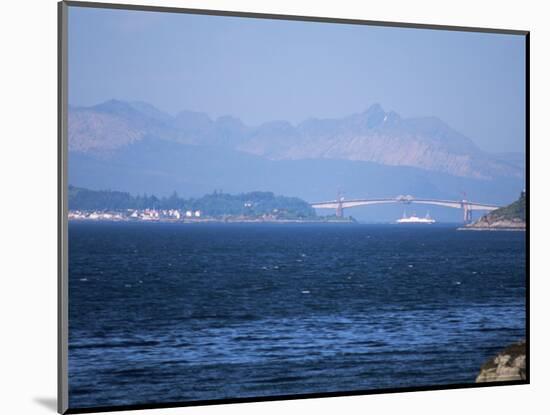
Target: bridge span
467	206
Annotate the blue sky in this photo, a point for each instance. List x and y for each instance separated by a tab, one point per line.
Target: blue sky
262	70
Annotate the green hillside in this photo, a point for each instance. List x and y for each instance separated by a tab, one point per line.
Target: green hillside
514	211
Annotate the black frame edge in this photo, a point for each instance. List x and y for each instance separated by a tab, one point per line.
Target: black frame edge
527	204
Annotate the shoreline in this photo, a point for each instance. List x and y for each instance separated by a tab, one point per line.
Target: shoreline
203	221
492	229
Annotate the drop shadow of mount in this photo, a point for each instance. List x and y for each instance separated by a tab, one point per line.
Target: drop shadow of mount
48	403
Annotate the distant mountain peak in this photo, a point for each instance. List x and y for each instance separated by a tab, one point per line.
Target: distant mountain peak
372	117
374	108
113	105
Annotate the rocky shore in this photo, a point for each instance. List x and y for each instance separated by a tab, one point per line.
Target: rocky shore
507	365
496	224
508	218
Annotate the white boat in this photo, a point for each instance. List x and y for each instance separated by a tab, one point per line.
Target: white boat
415	219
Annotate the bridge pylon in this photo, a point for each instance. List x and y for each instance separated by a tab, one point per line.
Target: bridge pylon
467	212
339	205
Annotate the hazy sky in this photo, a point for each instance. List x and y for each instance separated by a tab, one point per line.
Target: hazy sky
261	70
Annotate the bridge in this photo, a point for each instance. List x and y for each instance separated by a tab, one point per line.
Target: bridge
467	206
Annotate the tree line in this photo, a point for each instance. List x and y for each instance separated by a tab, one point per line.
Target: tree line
214	204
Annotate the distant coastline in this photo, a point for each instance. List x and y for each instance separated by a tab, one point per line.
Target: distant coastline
217	207
229	220
189	217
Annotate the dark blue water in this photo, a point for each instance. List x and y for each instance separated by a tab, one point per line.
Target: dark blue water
166	312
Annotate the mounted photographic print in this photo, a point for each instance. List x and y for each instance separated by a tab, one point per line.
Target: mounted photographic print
257	207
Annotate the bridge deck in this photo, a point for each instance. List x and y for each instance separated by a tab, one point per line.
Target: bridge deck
455	204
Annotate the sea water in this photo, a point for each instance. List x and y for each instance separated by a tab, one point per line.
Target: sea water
163	312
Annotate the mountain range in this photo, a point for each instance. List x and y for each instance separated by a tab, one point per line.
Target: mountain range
133	146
